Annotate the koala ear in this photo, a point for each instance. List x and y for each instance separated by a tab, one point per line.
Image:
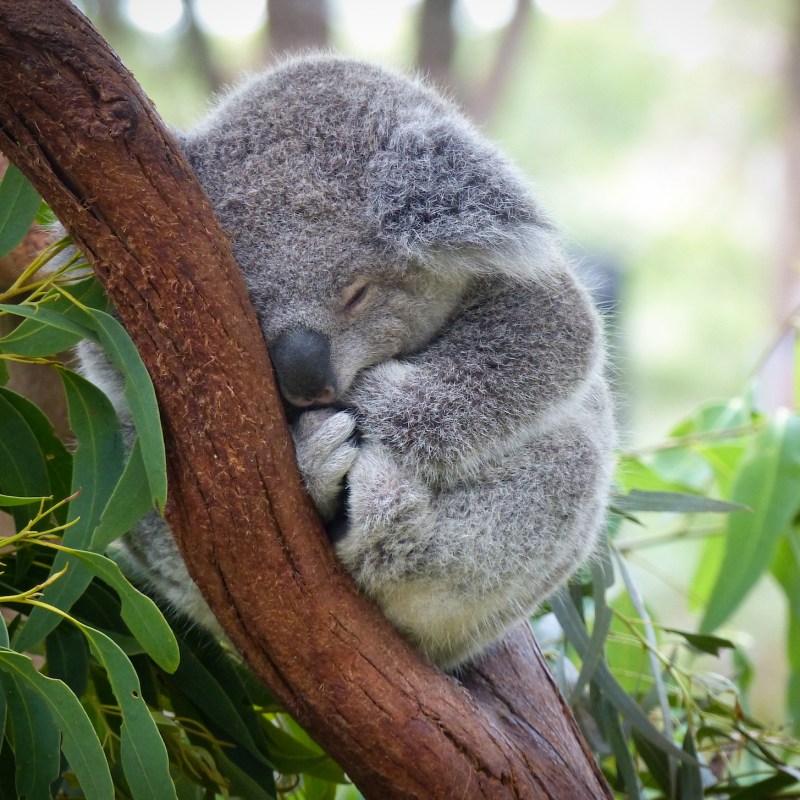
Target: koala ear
447	197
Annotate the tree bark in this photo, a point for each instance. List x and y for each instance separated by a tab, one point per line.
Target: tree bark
78	125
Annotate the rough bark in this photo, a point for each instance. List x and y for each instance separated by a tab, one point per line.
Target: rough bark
76	122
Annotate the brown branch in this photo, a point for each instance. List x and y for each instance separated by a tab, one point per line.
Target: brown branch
76	122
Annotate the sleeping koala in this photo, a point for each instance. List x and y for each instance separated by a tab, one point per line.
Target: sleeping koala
441	364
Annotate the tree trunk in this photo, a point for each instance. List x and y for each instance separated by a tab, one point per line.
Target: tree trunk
76	122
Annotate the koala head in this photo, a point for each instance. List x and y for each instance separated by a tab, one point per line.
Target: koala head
361	206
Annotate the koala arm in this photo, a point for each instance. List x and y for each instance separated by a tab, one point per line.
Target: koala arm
513	356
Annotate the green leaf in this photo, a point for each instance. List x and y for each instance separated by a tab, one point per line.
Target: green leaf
579	638
769	482
58	460
770	787
201	686
7	500
97	466
25	471
19	203
608	718
141	397
36	740
68	658
3	372
140	613
38	336
128	503
46	316
79	741
143	753
674	503
705	643
786	569
690	778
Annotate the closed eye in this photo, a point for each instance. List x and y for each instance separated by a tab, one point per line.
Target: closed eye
355	296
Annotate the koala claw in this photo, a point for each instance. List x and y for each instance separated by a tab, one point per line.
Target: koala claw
325	453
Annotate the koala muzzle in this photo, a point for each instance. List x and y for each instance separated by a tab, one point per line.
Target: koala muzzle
302	361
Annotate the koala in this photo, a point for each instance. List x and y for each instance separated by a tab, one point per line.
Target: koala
441	365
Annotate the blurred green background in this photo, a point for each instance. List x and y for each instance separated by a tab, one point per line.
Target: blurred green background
663	137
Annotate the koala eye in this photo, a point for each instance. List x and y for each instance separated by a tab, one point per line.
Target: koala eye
356	295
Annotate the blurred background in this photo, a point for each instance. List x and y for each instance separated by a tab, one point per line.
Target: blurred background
663	136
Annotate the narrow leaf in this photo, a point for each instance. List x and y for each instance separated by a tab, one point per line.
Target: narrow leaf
140	613
24	466
36	740
579	638
97	466
769	482
690	777
143	753
674	503
79	741
608	718
19	203
141	397
705	643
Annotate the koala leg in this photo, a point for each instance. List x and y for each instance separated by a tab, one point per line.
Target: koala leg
454	566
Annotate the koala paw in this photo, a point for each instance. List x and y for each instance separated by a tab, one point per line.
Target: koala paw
325	453
389	512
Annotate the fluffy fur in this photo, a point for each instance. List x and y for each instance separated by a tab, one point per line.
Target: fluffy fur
451	421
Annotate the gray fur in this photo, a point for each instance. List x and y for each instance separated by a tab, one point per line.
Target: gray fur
468	444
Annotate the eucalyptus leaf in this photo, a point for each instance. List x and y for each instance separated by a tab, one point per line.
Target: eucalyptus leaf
57	459
19	203
68	657
769	482
674	503
140	613
609	720
79	741
25	471
705	643
578	636
143	753
37	740
97	467
690	777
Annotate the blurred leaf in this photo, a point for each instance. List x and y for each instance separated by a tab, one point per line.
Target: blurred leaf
786	569
602	580
690	777
769	482
97	466
19	203
705	643
576	632
289	755
44	216
144	756
661	768
79	741
674	502
3	372
608	718
655	664
764	789
37	742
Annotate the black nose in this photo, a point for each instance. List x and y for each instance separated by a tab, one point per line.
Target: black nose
302	361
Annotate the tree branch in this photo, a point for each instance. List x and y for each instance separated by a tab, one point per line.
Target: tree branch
76	122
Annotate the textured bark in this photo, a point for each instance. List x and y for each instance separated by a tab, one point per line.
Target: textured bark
76	122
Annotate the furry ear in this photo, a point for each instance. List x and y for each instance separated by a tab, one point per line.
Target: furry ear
442	194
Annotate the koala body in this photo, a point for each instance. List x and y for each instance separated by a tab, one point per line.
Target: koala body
442	364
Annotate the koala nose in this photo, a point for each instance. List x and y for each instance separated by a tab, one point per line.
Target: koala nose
302	361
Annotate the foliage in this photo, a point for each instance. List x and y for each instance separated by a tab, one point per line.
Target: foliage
103	697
